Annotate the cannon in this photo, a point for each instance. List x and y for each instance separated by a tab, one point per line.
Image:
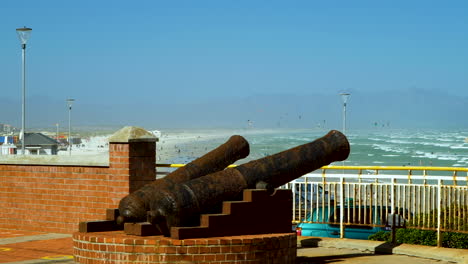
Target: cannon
183	204
134	207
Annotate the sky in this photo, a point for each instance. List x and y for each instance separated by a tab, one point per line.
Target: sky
186	64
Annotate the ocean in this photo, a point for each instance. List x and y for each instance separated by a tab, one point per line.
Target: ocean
379	147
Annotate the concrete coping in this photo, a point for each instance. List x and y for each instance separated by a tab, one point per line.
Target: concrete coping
56	160
132	134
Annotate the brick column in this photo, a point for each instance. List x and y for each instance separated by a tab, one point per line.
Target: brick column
142	162
132	159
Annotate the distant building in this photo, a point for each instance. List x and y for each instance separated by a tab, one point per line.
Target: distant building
38	144
7	146
76	140
5	128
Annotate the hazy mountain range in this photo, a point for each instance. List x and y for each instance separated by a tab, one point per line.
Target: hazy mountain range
397	109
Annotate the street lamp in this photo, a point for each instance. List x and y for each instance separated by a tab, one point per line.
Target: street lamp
69	103
344	98
57	135
23	35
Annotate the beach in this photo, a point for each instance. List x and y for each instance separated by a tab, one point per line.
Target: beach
383	147
173	146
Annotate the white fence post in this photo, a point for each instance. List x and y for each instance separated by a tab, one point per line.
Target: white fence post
292	186
439	212
392	197
342	230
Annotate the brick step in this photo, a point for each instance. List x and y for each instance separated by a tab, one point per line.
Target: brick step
257	213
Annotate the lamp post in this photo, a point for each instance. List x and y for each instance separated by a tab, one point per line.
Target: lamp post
69	103
57	135
23	35
344	98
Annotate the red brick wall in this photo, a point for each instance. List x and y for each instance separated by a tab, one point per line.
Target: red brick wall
52	198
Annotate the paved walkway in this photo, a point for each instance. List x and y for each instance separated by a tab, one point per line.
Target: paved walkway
325	250
33	247
343	255
24	247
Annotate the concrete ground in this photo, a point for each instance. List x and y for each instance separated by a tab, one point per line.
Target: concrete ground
330	255
327	250
24	247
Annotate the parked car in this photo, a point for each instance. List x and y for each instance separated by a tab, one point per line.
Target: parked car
327	224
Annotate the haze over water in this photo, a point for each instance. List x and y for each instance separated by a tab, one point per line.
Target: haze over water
378	147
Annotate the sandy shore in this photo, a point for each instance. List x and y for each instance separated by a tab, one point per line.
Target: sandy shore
182	146
177	146
174	146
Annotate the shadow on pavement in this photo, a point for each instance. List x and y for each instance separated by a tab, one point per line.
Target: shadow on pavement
329	259
310	242
385	248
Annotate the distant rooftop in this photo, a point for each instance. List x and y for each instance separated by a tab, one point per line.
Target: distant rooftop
38	139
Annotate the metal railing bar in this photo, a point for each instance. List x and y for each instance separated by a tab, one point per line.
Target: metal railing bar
388	176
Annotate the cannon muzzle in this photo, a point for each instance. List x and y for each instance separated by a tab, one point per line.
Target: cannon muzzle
134	207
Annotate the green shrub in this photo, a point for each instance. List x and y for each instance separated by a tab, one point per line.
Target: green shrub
381	236
416	237
455	240
450	219
423	237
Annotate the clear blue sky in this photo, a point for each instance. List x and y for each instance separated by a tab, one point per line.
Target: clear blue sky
165	60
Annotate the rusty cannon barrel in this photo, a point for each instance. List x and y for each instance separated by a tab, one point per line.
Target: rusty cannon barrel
183	205
134	207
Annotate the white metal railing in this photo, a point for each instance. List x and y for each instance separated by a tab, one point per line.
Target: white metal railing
420	197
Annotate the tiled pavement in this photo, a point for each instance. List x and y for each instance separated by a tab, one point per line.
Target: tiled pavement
33	247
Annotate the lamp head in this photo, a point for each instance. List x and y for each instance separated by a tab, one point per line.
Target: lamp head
345	97
23	34
70	102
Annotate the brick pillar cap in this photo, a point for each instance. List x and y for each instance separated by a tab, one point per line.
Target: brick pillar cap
132	134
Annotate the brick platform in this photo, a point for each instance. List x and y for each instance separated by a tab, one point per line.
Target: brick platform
119	248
